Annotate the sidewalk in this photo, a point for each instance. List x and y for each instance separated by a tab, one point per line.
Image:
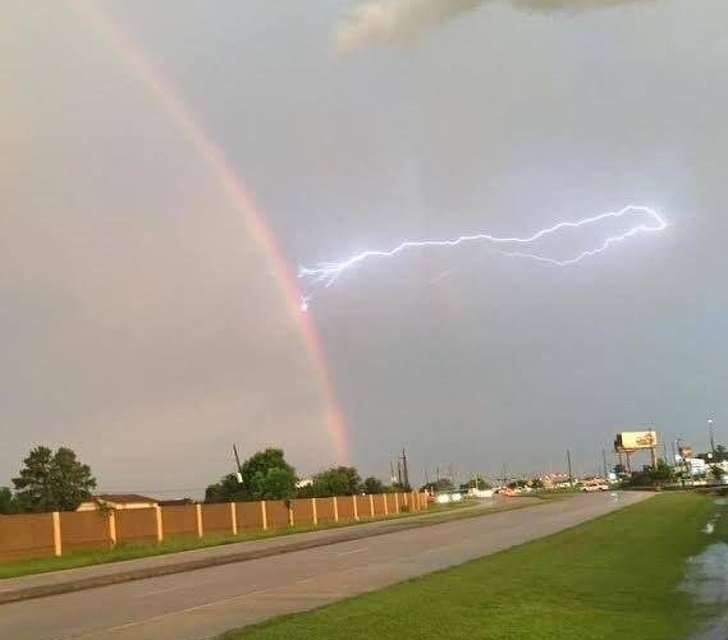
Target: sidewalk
57	582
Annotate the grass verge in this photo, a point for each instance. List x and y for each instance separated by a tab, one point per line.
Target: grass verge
126	551
613	577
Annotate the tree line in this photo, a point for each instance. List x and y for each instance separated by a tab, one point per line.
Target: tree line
58	481
266	475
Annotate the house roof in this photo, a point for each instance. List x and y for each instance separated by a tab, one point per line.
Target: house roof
176	502
124	498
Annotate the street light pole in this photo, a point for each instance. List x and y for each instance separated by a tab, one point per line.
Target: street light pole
712	436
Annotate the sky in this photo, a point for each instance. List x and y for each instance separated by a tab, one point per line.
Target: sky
144	324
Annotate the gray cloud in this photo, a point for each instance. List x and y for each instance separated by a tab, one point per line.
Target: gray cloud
405	21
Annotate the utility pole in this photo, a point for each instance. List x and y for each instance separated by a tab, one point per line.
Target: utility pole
238	466
568	464
604	461
404	468
711	432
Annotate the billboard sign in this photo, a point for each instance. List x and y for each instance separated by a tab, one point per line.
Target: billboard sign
633	440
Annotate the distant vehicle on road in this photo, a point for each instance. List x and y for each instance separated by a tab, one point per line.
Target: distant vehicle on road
594	485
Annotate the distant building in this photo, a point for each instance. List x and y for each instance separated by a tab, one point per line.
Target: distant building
118	501
304	482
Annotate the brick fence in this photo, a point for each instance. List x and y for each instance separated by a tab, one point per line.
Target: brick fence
55	534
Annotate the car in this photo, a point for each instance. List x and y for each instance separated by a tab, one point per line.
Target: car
594	485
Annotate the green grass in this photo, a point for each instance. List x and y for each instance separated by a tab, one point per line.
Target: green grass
614	577
128	551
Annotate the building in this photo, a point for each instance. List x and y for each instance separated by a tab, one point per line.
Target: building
118	501
176	502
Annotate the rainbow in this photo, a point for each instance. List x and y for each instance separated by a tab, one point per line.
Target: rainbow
240	197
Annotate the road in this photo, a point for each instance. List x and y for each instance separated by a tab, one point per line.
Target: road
205	602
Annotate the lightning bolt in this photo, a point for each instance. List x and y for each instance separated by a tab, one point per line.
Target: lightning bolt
325	274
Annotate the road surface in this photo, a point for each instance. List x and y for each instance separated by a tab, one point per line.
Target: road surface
202	603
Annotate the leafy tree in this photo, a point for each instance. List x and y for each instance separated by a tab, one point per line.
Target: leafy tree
306	491
337	481
372	485
721	453
653	476
717	472
8	504
53	481
265	476
227	490
477	482
439	485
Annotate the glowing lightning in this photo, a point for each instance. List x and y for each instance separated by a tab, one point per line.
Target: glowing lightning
325	274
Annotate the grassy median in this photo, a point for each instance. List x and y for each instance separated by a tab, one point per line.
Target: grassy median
128	551
614	577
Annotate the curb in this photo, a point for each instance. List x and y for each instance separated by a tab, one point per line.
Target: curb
44	591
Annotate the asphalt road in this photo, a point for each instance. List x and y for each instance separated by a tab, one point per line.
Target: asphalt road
202	603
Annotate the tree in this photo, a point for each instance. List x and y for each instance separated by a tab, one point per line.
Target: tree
477	482
267	476
52	481
717	472
337	481
227	490
653	476
721	453
441	484
8	504
372	485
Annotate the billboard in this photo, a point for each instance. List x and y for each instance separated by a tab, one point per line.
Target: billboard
633	440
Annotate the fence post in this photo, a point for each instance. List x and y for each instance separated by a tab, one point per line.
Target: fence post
396	502
234	518
371	504
336	509
291	517
160	528
57	545
386	504
356	508
200	530
314	512
264	514
112	528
